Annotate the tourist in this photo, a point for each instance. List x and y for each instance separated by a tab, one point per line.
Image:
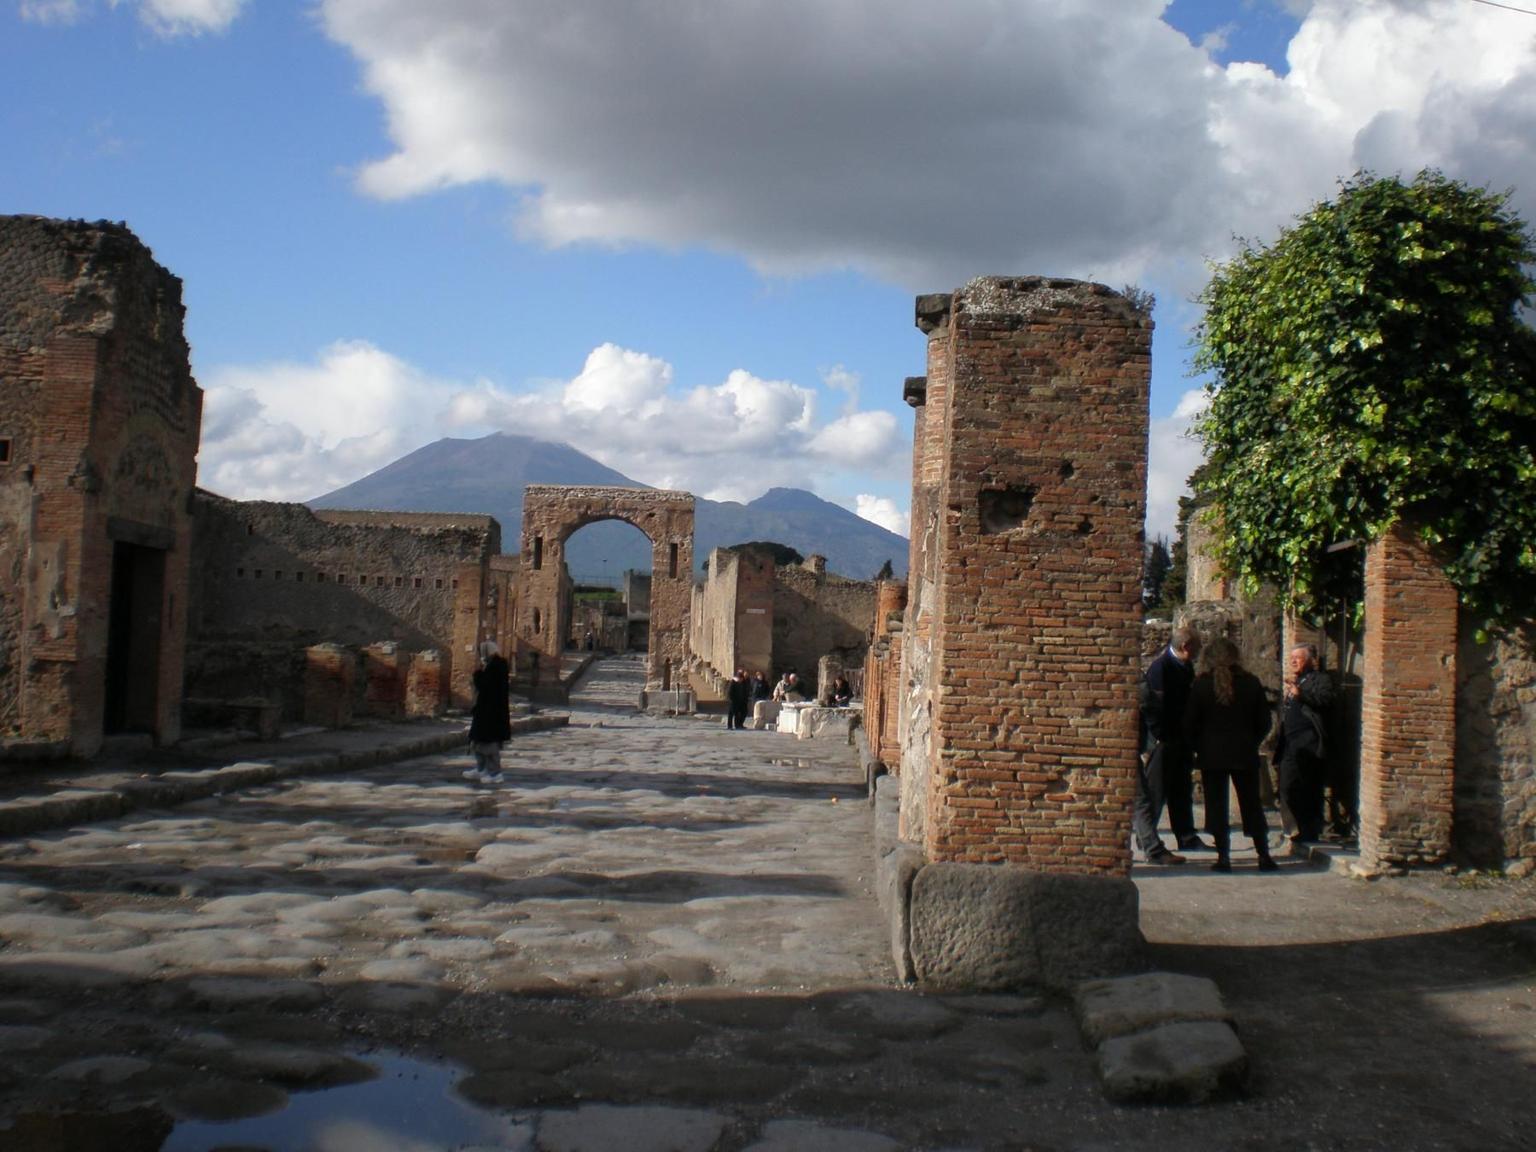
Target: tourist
490	717
841	695
1164	776
1225	719
738	695
787	690
760	689
1301	749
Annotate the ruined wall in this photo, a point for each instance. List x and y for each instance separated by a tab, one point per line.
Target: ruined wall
817	613
731	618
272	579
1495	787
1034	599
552	512
100	416
882	674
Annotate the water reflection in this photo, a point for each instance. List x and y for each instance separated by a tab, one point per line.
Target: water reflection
410	1107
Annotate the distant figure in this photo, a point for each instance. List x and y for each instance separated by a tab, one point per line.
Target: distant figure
841	694
1225	720
738	696
1165	768
490	718
1300	750
787	690
760	689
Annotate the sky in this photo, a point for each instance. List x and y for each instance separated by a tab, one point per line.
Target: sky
685	236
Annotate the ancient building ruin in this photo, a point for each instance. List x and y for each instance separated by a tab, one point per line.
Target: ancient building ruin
99	425
551	514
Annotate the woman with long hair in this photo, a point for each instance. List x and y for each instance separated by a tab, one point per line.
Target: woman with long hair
1227	716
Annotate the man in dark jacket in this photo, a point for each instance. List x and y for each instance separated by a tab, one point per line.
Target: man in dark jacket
1300	750
1165	776
738	699
490	720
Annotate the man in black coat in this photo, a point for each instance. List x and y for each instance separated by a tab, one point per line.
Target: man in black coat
738	698
490	719
1166	775
1300	750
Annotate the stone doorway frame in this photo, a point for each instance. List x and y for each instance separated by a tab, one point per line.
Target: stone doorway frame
552	513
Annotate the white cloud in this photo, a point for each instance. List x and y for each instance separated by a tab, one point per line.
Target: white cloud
1172	455
189	17
1085	138
295	431
882	511
50	11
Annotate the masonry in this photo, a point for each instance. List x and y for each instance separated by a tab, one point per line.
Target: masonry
273	579
99	424
1022	632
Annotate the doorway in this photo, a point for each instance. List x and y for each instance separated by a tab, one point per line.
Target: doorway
133	639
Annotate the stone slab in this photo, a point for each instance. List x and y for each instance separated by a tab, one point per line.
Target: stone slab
1185	1063
1109	1008
603	1127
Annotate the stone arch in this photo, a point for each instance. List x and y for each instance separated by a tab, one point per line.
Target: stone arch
553	512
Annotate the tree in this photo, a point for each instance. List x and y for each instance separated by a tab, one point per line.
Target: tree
886	571
1154	572
1372	366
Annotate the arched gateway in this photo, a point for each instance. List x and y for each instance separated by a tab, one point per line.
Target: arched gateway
553	512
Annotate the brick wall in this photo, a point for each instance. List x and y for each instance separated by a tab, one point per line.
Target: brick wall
1495	791
882	674
1036	613
102	414
1408	729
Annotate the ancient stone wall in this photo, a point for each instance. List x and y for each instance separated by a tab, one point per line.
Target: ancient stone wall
882	674
818	613
1495	789
272	579
100	418
1030	588
731	619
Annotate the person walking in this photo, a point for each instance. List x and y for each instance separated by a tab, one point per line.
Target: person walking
1225	719
1164	776
490	717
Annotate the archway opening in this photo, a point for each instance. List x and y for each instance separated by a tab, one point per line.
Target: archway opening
608	563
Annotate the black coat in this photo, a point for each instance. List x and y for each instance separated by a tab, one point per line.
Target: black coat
490	720
1164	691
1226	737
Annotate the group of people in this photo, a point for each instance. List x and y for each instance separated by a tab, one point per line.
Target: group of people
741	696
1214	719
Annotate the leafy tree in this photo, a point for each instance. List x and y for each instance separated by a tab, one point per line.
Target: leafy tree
780	554
1372	365
886	571
1154	572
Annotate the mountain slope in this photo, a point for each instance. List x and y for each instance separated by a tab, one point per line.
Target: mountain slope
488	476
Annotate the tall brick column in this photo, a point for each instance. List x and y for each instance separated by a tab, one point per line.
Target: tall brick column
1408	731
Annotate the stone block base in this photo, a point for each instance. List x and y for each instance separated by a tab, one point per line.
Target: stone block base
998	927
671	700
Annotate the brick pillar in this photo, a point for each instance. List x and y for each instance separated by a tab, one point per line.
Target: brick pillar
330	671
1408	736
1037	616
426	685
384	674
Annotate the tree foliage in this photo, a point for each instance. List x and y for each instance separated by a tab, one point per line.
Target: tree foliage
1369	366
1156	564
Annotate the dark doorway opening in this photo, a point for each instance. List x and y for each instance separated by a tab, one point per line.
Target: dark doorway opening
133	639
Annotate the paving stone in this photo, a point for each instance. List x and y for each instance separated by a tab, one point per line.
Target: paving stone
101	1069
66	933
447	950
1174	1063
275	995
414	968
602	1128
23	1037
1126	1004
807	1136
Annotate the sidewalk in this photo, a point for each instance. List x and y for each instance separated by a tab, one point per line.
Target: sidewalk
58	794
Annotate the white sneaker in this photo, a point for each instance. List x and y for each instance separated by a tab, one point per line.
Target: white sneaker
473	774
493	778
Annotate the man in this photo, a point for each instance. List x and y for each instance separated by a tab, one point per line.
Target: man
1300	750
1165	771
737	695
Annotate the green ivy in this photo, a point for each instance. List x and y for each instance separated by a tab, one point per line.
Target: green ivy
1372	365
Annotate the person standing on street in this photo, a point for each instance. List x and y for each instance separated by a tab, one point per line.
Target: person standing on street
738	696
1166	776
490	717
1301	749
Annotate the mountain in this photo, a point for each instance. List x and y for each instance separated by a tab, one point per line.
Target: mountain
488	476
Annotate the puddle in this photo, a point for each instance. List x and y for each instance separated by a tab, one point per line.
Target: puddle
410	1107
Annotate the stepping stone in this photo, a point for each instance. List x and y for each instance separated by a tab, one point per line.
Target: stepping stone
1174	1064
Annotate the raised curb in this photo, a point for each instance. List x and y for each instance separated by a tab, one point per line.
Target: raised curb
27	814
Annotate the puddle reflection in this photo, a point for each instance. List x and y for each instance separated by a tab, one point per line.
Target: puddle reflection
410	1107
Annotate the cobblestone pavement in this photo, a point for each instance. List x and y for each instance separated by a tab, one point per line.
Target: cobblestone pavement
658	933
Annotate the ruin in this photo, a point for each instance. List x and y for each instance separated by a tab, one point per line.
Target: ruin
99	426
551	513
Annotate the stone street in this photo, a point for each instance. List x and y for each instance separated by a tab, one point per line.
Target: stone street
658	933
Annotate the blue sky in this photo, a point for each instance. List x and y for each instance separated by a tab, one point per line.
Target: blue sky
685	237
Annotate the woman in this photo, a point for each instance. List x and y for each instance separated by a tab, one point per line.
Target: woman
1225	719
490	719
841	695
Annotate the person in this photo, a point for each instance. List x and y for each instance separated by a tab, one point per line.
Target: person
760	689
738	695
787	690
1301	749
490	717
1164	776
1225	719
841	694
